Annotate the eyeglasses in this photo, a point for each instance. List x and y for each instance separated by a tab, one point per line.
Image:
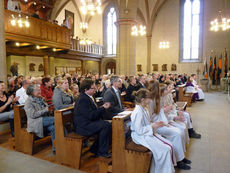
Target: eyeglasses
93	88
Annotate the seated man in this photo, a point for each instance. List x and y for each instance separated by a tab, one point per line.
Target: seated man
22	92
88	119
113	96
141	82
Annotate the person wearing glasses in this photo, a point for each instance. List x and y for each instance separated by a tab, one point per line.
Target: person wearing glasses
113	95
88	119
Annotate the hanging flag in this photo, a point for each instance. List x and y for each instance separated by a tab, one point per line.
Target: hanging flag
225	63
205	70
214	72
210	67
219	70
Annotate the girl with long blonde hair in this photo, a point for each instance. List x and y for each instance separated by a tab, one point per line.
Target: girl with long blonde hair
171	133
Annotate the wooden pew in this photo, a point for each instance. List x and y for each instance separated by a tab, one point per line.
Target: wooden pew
24	141
127	157
68	146
185	97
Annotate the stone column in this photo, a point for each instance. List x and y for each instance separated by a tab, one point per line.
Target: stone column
99	67
82	67
3	65
51	66
46	65
126	48
149	38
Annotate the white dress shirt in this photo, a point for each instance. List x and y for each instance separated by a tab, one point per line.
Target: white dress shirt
118	97
22	94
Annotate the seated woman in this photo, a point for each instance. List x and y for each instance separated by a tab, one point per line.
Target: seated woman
6	108
107	85
62	95
190	88
173	134
176	113
75	91
144	133
37	112
46	90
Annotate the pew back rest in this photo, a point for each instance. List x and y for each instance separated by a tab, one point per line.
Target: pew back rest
122	144
20	118
64	121
119	131
121	125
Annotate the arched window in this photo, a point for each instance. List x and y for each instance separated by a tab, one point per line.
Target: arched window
111	30
191	35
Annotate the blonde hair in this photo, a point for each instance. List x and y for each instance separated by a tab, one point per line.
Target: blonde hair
155	94
60	82
162	88
141	94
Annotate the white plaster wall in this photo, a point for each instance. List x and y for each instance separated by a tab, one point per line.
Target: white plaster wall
95	30
70	7
91	67
141	54
66	62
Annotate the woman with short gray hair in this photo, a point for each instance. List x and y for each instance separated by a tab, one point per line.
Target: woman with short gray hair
37	112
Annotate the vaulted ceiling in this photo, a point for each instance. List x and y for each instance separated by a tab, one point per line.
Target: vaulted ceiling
146	11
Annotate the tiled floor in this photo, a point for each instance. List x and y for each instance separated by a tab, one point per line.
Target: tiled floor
15	162
211	118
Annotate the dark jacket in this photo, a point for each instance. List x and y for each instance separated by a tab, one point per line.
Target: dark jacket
85	114
139	86
123	88
110	96
129	97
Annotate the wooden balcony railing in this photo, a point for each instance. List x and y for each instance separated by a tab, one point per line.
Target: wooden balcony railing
91	49
40	32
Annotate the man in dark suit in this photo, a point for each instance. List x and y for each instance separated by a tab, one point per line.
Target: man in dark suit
141	82
113	96
88	119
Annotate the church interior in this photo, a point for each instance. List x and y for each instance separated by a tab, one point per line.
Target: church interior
103	86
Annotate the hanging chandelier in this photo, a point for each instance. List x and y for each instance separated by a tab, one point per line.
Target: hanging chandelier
21	22
220	23
91	7
85	41
136	32
84	26
164	45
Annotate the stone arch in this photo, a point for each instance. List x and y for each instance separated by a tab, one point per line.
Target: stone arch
108	63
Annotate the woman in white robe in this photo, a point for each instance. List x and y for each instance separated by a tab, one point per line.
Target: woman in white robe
168	100
143	132
176	119
173	134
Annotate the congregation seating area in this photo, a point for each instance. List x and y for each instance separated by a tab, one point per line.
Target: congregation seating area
72	149
101	86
